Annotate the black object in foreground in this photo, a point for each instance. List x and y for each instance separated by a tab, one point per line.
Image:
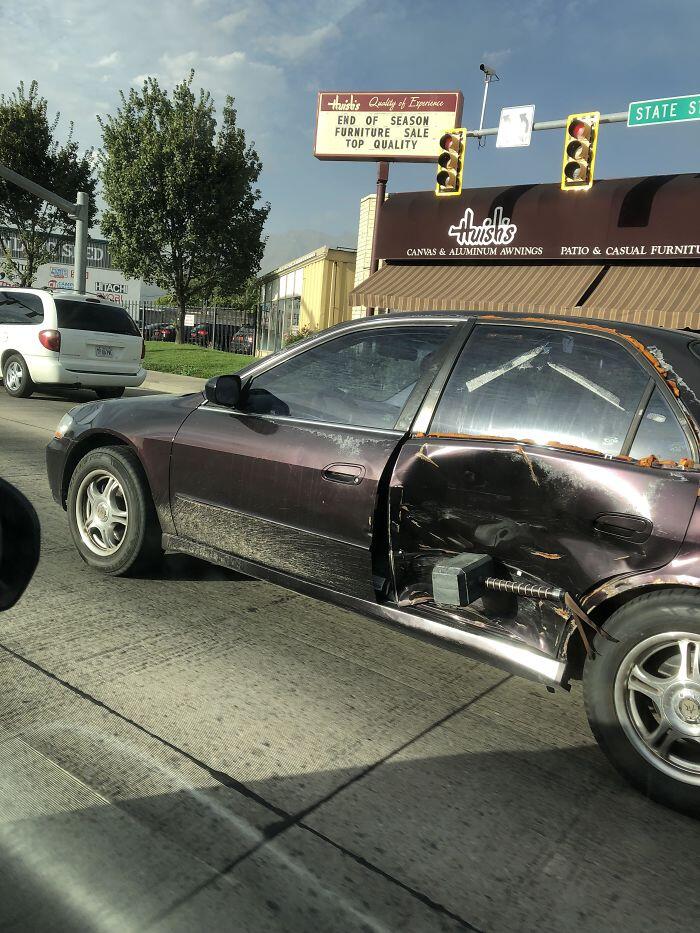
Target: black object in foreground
20	541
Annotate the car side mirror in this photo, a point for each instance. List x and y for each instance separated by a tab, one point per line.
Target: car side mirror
20	539
223	390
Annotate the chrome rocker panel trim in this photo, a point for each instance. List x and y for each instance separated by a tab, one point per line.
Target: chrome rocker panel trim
471	641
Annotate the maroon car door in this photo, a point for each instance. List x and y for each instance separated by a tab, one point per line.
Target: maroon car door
527	458
291	480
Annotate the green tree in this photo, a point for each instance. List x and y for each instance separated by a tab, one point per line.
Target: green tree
245	299
183	209
28	146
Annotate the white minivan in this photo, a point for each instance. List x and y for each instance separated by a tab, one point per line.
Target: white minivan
68	340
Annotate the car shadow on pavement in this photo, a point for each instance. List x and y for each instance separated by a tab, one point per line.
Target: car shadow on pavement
183	568
508	840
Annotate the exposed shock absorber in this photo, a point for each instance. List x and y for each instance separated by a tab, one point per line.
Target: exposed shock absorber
462	579
556	595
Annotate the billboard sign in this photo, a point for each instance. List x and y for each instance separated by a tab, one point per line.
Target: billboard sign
391	126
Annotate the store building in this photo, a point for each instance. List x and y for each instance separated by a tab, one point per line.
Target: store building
309	292
627	250
102	277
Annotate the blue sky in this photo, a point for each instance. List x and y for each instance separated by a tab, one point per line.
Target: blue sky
274	55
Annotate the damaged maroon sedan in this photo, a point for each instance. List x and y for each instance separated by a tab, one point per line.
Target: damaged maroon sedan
520	489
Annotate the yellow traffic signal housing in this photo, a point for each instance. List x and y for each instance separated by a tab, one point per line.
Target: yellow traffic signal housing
580	144
451	163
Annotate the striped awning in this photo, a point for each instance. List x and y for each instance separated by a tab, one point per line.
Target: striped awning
665	296
546	289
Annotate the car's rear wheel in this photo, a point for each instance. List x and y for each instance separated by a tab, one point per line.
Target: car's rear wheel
642	696
111	514
16	378
110	391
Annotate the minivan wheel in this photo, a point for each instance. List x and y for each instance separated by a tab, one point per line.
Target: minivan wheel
111	514
642	696
109	392
16	378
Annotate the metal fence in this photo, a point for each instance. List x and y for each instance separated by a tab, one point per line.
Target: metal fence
226	329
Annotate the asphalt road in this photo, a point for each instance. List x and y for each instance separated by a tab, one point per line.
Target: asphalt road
201	751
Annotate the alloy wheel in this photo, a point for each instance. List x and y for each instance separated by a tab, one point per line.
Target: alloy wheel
13	376
657	701
102	513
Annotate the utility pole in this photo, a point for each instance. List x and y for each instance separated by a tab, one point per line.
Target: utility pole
382	179
77	212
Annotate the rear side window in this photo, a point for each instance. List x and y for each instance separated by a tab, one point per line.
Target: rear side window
20	309
659	433
84	315
542	385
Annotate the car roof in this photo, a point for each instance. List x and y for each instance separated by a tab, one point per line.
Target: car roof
66	295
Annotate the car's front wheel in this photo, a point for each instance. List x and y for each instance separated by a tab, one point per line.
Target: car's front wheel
110	512
16	378
642	696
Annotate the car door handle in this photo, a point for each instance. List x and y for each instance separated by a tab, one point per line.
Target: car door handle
351	474
622	525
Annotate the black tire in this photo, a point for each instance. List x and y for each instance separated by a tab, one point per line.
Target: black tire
623	720
24	386
139	546
109	392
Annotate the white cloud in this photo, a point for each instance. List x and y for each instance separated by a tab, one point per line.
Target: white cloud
294	47
497	57
108	60
231	21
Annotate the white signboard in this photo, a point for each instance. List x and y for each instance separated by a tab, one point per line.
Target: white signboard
392	126
189	320
515	126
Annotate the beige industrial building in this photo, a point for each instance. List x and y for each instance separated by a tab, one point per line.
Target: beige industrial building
309	292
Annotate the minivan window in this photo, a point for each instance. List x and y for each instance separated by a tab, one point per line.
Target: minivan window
543	385
20	308
361	378
659	433
105	319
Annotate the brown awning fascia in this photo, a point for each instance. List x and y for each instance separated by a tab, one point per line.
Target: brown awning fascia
662	296
545	289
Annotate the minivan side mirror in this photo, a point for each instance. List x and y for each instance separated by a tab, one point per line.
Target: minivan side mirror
19	544
223	390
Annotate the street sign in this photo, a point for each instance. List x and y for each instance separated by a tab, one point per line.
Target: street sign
189	320
388	126
515	126
664	110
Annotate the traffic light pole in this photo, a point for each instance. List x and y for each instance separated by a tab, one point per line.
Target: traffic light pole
77	212
620	117
382	178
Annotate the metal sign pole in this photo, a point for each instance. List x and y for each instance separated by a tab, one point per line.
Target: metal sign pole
77	212
81	237
382	178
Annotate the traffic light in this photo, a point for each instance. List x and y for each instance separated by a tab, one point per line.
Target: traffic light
451	163
580	144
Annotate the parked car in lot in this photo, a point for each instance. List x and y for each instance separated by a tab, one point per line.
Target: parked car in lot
201	334
67	340
243	340
522	490
166	332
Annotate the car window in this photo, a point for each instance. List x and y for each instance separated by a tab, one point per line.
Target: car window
20	309
659	433
362	378
542	385
105	319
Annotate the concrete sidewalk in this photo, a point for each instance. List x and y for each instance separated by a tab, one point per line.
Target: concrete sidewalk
168	382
